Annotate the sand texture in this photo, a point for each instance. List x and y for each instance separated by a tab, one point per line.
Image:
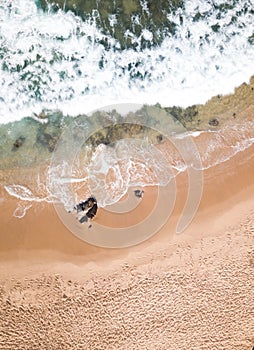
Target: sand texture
191	291
199	297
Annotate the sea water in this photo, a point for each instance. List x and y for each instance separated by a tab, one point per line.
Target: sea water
54	61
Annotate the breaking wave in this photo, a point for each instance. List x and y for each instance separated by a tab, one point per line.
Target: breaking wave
56	60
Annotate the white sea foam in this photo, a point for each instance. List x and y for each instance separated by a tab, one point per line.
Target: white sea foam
188	68
21	209
112	171
109	173
77	75
26	198
24	193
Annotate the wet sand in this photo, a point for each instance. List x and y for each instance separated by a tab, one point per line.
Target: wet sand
193	290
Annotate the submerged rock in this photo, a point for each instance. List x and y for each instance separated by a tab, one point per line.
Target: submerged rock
115	132
124	20
41	115
47	140
186	116
159	138
139	193
18	143
52	141
83	219
213	122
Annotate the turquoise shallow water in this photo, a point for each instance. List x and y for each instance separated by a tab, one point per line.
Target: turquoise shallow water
31	141
66	159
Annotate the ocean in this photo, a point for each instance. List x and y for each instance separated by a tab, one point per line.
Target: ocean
57	67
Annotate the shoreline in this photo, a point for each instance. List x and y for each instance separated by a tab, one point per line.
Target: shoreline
222	193
38	136
191	290
148	107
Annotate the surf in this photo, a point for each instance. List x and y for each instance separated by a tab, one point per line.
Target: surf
54	60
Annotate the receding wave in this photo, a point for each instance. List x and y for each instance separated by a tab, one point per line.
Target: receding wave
56	61
110	170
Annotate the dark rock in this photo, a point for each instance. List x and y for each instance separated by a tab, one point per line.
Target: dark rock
18	143
115	132
83	219
47	140
213	122
159	138
52	143
251	41
91	205
136	129
215	27
139	193
105	141
97	138
92	212
184	116
82	206
42	115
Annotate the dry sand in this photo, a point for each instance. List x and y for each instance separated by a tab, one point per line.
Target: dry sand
188	291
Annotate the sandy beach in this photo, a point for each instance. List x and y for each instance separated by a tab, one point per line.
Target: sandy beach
193	290
126	175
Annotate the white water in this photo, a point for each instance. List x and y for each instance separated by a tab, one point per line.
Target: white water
185	70
26	198
112	171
